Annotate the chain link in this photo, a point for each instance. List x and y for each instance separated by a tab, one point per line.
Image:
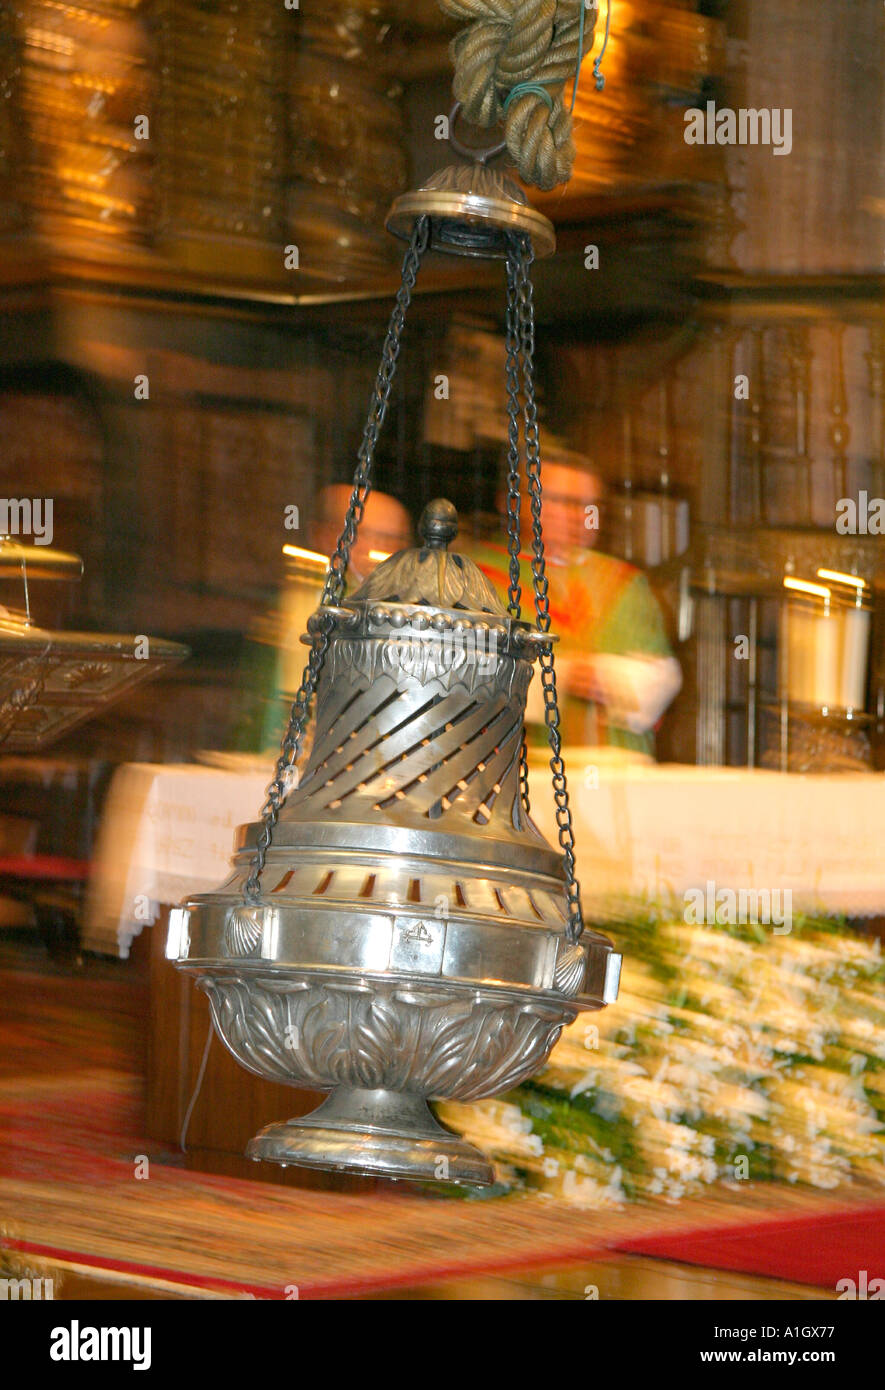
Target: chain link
333	589
524	257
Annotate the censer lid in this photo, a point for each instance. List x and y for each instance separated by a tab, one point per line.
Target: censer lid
428	587
428	574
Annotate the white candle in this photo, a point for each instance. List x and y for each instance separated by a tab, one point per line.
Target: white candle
827	644
855	646
813	648
827	652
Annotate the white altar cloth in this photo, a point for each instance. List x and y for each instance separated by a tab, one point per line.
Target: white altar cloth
644	832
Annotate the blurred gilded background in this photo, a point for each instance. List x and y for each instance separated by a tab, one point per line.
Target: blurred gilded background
196	192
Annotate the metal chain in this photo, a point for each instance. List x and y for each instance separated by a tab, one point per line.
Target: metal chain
333	589
525	257
524	773
377	410
514	536
514	592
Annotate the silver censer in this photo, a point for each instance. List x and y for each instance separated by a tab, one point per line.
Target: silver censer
396	929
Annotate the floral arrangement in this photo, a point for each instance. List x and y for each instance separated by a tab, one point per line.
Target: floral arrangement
733	1053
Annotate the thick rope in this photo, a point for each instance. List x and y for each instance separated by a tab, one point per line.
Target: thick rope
511	65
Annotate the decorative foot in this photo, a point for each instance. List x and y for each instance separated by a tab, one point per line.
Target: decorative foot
384	1134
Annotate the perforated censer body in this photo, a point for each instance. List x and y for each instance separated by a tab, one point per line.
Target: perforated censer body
396	929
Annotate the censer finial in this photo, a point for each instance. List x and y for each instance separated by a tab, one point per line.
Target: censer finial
438	523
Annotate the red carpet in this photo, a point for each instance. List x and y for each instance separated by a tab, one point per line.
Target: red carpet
814	1249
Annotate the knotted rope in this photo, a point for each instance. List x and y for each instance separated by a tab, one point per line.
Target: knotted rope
511	65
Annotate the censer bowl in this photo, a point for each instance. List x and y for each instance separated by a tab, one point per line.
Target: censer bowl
383	1004
382	1049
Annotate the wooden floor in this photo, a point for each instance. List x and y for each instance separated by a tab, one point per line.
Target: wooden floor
627	1277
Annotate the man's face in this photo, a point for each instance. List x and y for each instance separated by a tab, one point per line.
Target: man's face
385	528
568	497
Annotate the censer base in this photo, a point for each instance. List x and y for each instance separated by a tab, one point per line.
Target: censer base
384	1134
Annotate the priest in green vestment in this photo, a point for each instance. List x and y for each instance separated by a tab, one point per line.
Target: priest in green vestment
616	672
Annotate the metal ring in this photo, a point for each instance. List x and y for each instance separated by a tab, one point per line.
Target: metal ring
479	156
